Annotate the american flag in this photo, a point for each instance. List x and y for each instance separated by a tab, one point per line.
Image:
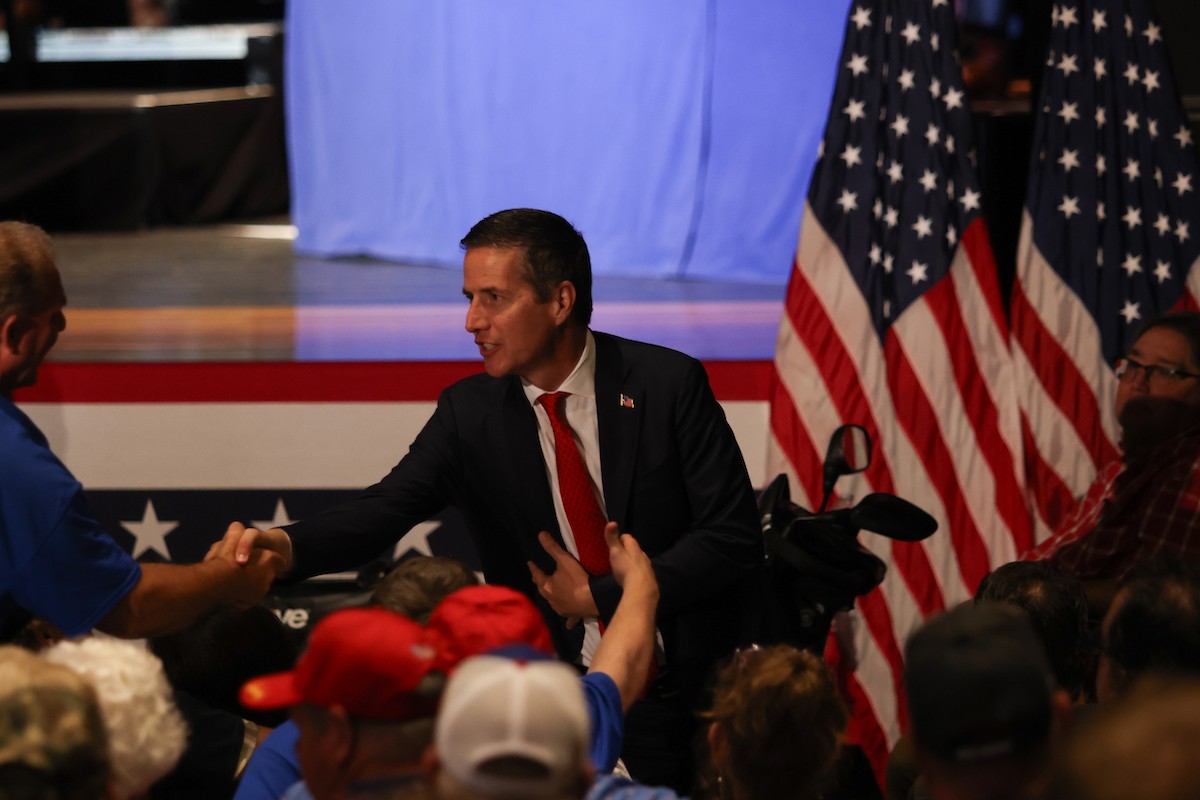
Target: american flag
894	320
1110	236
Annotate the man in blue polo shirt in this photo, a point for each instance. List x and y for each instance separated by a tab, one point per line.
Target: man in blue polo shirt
55	560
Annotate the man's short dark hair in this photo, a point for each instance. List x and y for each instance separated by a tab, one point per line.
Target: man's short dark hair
1057	607
1185	323
554	252
1156	626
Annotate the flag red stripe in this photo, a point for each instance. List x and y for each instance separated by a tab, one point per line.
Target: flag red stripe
1053	497
816	331
1057	372
917	416
981	412
979	253
794	440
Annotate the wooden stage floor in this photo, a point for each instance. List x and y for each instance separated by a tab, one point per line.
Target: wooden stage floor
237	292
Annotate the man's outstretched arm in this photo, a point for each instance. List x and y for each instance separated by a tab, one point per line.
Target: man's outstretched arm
169	597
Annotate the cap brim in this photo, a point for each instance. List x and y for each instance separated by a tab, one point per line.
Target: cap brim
270	692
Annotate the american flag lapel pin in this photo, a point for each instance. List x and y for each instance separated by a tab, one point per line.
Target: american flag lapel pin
626	401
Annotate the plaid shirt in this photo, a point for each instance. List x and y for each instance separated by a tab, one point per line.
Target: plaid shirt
1133	511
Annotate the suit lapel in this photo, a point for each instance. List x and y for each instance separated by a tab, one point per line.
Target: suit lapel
619	405
529	488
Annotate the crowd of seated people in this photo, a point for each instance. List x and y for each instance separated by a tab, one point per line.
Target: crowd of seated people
444	688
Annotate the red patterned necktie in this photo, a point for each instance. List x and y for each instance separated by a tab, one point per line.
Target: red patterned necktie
574	486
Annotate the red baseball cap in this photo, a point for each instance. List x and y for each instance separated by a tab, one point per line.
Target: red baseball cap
369	661
477	619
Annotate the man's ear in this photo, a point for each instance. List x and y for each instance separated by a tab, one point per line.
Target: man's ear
339	736
564	302
12	333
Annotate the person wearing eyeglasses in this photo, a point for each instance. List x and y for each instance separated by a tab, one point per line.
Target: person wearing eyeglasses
1148	502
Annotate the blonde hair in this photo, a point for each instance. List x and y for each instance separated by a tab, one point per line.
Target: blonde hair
146	732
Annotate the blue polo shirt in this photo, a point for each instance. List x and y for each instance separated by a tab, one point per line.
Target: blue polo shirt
55	559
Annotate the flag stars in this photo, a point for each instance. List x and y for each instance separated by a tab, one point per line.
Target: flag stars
1101	164
951	236
911	33
1069	112
1162	224
1162	271
1150	81
861	17
858	64
1152	128
1099	68
1130	312
1131	74
1068	64
935	41
1182	183
907	79
953	99
1069	160
931	134
1158	177
852	155
1101	116
935	88
949	144
1099	20
848	201
1069	206
1101	211
1181	231
923	226
1153	34
855	110
1131	122
900	125
895	172
890	217
1132	217
1128	25
1184	137
888	260
969	200
918	272
1132	264
1067	16
877	208
875	255
928	180
1132	170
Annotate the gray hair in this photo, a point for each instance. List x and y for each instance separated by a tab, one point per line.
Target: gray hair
26	264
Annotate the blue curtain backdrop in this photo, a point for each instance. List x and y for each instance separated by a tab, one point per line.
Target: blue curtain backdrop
678	135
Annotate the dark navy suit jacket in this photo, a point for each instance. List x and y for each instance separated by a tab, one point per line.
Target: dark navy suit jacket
673	477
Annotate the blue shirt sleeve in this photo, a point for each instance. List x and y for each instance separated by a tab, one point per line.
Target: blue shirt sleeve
617	787
608	719
274	766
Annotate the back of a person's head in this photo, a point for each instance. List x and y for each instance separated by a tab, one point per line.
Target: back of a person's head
416	586
781	722
53	745
146	732
478	619
513	729
213	658
1057	609
1154	623
1144	744
26	256
982	702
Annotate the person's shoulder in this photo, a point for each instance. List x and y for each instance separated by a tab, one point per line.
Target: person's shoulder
479	388
619	787
651	359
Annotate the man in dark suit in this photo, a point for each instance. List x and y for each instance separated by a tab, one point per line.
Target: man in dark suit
647	439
